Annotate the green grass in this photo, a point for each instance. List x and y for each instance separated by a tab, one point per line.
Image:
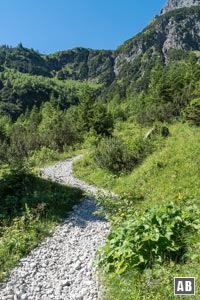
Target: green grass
169	174
153	284
172	173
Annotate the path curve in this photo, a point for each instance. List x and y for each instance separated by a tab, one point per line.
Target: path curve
61	172
61	267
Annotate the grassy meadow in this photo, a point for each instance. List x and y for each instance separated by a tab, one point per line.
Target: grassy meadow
169	175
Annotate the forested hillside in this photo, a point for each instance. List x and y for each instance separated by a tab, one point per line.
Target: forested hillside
135	114
77	64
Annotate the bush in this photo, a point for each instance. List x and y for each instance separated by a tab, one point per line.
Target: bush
116	156
112	154
192	112
156	236
43	155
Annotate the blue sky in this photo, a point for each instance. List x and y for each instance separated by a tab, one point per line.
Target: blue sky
53	25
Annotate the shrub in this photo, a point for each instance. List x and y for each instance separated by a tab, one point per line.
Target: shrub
43	155
112	154
192	112
116	156
155	236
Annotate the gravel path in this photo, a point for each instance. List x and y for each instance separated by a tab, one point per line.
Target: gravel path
61	268
62	173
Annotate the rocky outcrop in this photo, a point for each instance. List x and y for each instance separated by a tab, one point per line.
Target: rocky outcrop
178	29
175	4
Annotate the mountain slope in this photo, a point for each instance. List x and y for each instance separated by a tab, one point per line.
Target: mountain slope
178	29
77	64
83	64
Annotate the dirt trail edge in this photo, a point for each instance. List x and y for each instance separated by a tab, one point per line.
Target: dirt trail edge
61	267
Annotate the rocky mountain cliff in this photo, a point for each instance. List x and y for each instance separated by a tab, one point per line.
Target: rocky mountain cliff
176	30
175	4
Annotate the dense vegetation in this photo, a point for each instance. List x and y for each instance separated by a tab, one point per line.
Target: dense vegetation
76	64
19	92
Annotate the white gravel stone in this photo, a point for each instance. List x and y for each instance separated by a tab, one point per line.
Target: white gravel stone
61	267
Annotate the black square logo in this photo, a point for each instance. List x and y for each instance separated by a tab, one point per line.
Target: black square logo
184	286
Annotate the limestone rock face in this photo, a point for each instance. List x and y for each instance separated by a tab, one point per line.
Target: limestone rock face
180	30
175	4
